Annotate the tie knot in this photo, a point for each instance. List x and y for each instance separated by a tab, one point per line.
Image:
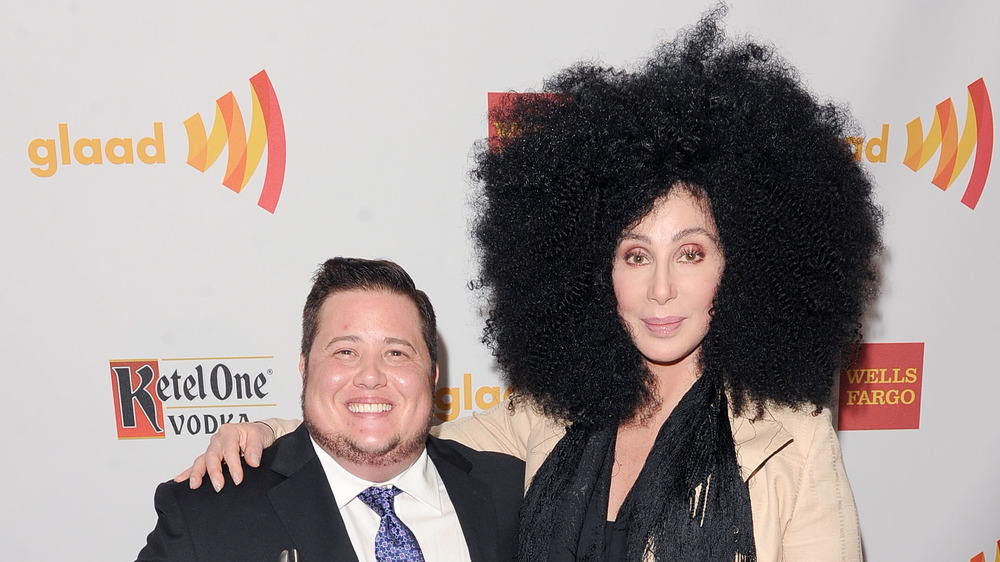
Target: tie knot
380	499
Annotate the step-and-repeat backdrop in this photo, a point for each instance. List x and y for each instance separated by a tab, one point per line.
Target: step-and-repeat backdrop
174	172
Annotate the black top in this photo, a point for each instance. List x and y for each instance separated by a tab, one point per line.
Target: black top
605	538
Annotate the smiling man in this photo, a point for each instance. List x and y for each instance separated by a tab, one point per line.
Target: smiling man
361	479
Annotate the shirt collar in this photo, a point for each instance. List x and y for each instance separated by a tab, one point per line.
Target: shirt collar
420	480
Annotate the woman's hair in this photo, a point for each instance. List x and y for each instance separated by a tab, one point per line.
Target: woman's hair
589	157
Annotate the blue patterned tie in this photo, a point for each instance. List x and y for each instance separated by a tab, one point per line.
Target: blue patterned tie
394	541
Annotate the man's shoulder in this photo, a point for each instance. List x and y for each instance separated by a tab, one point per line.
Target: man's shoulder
286	455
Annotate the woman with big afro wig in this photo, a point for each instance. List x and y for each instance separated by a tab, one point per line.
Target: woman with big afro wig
676	260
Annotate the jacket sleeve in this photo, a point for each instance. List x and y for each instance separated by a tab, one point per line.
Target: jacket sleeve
515	427
823	525
280	426
499	429
169	540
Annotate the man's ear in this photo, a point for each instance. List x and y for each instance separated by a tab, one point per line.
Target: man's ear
435	383
302	365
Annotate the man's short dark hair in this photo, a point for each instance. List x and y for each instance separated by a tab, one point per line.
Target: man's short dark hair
340	274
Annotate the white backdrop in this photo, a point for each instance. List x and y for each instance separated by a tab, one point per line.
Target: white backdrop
381	104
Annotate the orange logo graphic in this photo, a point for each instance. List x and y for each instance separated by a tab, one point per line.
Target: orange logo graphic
47	155
981	557
955	151
266	128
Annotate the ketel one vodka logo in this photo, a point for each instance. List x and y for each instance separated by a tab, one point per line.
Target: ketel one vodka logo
156	397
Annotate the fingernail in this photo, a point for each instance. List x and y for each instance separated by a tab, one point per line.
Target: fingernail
237	480
216	485
255	458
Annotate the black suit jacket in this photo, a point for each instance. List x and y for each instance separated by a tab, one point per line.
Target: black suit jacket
287	504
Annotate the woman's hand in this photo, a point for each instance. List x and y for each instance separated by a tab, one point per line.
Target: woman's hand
227	445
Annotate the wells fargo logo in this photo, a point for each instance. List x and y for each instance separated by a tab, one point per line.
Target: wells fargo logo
981	557
198	396
882	389
228	129
954	148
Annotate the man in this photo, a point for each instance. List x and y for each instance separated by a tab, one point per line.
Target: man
361	478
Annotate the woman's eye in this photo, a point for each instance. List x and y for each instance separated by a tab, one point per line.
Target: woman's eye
632	258
692	255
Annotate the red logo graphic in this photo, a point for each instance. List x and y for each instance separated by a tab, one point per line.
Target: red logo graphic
955	151
981	557
138	409
266	128
501	129
882	391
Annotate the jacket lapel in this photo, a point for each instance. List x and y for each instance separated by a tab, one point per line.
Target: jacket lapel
472	499
757	441
305	504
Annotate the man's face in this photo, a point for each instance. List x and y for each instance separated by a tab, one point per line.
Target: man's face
367	392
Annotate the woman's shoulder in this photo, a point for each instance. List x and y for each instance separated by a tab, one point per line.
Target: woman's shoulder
514	427
794	431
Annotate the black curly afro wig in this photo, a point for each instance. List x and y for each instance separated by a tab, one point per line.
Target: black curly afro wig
794	211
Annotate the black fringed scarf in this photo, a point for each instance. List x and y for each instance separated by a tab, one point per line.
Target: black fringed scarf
689	502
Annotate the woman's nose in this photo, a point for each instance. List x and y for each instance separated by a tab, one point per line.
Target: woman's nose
661	286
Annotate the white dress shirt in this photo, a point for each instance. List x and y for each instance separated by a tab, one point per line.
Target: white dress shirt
423	505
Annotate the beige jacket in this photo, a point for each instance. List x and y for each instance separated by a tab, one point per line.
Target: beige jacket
802	504
803	508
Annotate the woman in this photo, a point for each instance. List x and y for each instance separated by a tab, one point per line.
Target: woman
677	259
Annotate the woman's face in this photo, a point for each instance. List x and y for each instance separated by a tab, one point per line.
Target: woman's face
666	270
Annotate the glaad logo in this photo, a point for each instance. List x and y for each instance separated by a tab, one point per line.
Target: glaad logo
211	384
266	128
46	157
954	150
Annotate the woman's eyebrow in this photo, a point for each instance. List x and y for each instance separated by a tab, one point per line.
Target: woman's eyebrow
695	230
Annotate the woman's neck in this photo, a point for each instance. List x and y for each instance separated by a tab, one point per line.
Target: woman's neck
671	382
636	437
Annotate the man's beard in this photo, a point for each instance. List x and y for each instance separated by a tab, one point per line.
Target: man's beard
399	448
396	450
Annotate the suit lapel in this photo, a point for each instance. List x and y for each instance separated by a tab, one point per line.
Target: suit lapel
472	499
305	504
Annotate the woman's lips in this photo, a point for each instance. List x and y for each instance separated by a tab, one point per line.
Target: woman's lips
663	325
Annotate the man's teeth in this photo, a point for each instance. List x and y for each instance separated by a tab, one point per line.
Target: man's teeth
369	408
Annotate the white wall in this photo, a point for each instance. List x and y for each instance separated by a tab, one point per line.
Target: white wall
381	105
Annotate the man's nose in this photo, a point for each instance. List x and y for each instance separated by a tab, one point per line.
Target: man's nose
370	374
